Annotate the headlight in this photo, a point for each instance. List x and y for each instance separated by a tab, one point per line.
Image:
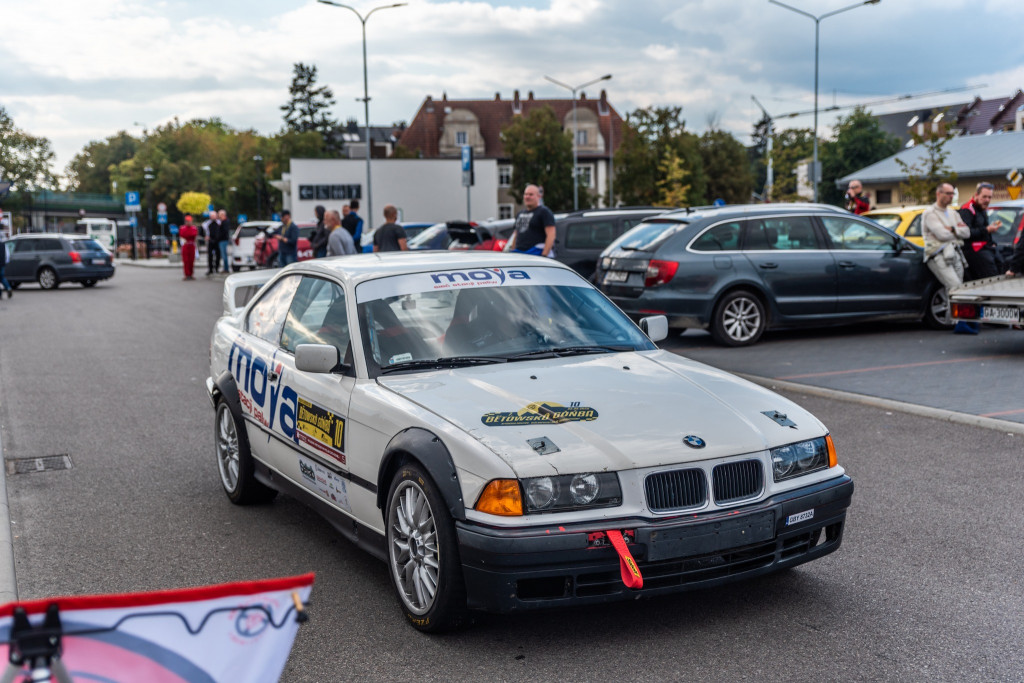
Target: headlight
571	492
801	458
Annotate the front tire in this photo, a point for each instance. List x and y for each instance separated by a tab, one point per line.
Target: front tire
739	319
936	311
234	460
423	556
48	278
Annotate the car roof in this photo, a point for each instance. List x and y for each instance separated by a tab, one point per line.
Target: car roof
1010	203
358	268
614	211
691	215
897	209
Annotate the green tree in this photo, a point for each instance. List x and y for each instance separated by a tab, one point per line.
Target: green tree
541	153
309	106
930	169
859	142
726	166
89	170
26	161
790	147
649	137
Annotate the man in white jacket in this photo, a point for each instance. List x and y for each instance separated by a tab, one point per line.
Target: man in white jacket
943	230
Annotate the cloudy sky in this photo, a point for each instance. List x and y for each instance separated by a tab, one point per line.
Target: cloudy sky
77	71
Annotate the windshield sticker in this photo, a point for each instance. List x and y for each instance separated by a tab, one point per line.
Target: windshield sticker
418	283
541	412
321	430
400	358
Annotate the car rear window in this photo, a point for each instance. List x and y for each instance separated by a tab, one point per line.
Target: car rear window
648	235
248	231
307	231
85	245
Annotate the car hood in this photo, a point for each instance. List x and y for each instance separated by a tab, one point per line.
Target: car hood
608	412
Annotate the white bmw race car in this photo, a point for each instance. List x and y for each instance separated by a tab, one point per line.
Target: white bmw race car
505	438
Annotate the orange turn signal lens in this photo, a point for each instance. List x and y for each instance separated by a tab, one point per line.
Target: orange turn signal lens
501	497
832	459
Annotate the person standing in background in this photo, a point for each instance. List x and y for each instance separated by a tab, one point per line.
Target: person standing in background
287	240
223	238
3	262
339	242
353	223
188	233
212	244
391	235
318	240
980	249
856	201
535	226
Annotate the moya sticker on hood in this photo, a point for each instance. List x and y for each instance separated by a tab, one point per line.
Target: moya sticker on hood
541	412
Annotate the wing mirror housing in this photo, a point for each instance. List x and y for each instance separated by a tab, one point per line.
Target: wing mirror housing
318	358
655	327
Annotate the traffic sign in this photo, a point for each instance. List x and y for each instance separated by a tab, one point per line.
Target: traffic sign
161	208
132	202
1014	176
161	218
174	229
133	221
275	216
467	165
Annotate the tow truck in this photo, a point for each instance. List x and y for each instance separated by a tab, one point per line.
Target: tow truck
995	300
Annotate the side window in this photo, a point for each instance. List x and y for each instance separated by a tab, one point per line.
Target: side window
847	233
50	245
590	235
24	246
914	229
724	237
266	317
317	316
788	233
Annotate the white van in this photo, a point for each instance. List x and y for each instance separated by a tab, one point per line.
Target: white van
103	230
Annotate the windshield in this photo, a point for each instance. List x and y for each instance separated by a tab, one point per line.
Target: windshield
647	235
488	315
434	237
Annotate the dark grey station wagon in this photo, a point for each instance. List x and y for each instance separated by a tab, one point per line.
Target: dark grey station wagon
740	270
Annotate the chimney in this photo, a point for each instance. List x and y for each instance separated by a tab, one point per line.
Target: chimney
497	97
583	95
517	107
444	95
529	95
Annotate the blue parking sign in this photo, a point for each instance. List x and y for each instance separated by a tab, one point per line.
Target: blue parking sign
132	201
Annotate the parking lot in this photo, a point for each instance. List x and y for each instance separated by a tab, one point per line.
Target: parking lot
924	587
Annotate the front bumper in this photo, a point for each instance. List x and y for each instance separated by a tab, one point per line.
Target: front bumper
509	570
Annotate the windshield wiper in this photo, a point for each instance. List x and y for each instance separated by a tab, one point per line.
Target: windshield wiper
446	362
569	351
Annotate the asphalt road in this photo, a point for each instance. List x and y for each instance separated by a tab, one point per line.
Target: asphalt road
926	587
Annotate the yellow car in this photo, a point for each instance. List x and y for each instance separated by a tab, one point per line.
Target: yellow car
903	220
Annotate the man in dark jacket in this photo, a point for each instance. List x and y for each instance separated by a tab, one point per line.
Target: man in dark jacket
980	249
318	240
353	223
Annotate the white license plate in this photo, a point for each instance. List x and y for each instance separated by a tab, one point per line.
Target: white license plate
1003	314
616	276
800	517
99	261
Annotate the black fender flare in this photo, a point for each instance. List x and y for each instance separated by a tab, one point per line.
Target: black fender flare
227	389
428	449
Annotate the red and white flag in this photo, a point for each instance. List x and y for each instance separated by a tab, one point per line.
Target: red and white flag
236	632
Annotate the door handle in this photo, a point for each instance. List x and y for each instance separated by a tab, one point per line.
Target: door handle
272	376
847	264
768	266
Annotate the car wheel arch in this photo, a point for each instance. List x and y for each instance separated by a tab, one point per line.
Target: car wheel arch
752	288
427	449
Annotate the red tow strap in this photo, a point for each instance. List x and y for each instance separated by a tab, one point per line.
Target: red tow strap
627	565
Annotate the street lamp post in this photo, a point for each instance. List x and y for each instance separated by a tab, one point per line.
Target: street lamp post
259	187
575	132
366	105
147	177
770	179
817	26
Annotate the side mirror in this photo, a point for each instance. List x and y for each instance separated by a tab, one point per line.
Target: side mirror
319	358
655	327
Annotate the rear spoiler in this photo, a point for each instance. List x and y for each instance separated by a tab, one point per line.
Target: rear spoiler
240	288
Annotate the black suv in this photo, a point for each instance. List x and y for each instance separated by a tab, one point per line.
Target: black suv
741	270
51	259
581	236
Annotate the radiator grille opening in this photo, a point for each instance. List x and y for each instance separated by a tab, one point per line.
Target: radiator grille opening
676	490
737	480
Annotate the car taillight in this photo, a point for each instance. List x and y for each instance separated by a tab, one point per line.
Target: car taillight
499	245
237	241
659	272
966	311
75	258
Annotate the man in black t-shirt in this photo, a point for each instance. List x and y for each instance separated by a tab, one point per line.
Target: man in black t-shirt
391	235
535	226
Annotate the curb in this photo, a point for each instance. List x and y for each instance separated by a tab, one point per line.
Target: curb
8	582
913	409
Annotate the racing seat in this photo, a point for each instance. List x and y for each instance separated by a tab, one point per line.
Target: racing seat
334	329
393	338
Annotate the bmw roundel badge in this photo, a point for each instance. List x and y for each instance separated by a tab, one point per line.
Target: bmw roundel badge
694	441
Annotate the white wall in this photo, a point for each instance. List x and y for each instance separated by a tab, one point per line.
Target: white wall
428	190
